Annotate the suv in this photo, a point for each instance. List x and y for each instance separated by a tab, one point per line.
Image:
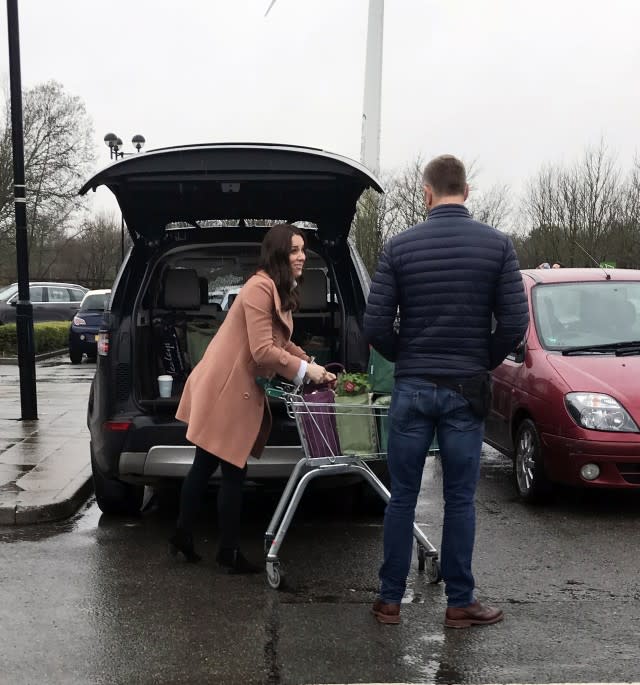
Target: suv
51	301
187	210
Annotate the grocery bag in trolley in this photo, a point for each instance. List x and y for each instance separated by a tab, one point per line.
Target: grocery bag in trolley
381	410
381	373
356	425
315	411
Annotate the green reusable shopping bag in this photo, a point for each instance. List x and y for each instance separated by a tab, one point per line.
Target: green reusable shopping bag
381	411
199	335
380	373
356	425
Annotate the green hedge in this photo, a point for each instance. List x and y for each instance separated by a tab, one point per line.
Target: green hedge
49	336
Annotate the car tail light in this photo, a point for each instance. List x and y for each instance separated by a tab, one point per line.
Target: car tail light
117	426
103	343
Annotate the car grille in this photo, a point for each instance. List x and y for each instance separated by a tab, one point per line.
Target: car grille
630	472
123	382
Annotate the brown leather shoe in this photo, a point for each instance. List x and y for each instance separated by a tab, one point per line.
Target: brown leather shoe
386	613
475	614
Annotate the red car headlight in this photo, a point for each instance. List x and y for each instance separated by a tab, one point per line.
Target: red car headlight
599	412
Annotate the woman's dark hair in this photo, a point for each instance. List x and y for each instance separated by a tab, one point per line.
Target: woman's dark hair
274	259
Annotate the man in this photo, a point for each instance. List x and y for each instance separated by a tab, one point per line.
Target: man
447	278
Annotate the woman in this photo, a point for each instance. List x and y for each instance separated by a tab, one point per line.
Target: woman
227	413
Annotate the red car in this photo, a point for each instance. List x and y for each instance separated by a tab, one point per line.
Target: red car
566	403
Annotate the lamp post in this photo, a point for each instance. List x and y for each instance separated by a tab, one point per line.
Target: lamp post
24	308
114	143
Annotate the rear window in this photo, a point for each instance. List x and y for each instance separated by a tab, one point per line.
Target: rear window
97	302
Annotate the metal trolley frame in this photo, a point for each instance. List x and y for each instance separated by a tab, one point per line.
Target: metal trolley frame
306	416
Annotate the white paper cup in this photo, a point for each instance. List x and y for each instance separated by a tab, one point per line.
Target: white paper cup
164	385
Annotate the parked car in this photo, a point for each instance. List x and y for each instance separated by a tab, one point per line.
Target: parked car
83	333
51	301
224	297
566	403
164	297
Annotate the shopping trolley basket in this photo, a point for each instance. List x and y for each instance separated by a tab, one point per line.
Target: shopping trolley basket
310	419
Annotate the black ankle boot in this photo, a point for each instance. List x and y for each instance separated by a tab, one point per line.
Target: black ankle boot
235	562
182	541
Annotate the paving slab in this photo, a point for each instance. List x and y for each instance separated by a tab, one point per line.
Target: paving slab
45	471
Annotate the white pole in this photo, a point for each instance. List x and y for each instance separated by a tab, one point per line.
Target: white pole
370	145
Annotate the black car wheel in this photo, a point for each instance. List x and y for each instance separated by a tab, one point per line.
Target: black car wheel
528	471
75	356
114	496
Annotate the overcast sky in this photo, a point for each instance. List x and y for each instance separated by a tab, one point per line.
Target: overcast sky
511	84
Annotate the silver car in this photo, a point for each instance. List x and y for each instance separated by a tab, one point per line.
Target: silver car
51	301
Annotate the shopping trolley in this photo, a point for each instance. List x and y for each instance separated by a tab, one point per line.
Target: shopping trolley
310	418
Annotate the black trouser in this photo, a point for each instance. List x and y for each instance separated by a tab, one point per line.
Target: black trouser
229	496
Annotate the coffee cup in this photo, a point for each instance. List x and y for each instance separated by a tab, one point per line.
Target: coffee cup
164	385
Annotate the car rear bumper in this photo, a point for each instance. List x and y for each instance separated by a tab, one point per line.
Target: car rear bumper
619	462
174	461
86	341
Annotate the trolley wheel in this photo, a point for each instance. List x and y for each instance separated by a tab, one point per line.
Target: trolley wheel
433	570
273	574
268	539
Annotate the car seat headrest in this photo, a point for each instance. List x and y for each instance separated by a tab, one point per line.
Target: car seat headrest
313	290
181	289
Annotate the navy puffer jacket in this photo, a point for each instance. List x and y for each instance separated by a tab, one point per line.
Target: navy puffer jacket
445	278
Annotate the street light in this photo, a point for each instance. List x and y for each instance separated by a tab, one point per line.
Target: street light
114	143
24	308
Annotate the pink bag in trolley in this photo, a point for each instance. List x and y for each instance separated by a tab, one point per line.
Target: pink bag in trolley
318	418
317	414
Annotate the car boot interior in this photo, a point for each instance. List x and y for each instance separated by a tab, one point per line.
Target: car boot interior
186	299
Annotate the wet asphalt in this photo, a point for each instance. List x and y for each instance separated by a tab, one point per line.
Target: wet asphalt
96	599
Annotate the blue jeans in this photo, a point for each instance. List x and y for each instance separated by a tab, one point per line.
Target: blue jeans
418	409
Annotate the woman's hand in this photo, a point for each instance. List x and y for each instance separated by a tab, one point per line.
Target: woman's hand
318	374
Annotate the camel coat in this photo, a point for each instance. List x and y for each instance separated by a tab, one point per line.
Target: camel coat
226	411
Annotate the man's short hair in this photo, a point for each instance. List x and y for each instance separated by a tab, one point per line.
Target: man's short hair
446	175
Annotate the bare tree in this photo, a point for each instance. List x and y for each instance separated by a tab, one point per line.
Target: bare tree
573	209
58	155
624	237
406	196
371	226
491	207
93	256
